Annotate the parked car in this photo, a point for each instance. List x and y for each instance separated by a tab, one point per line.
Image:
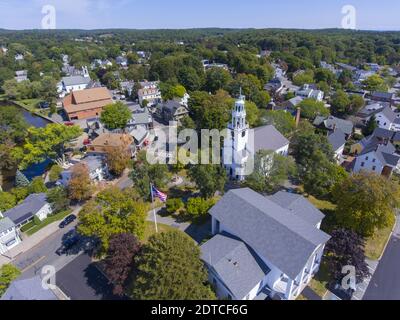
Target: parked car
43	104
340	292
71	218
67	245
68	123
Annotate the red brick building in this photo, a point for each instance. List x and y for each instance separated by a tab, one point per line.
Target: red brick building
88	103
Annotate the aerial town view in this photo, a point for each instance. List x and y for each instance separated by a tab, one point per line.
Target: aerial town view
206	151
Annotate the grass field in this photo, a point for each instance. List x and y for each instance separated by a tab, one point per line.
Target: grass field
375	245
151	229
57	217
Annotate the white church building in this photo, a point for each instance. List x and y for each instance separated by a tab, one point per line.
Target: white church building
242	143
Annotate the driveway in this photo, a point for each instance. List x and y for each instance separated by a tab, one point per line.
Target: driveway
81	280
385	283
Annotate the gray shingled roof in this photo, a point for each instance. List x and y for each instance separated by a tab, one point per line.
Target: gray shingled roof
28	289
331	122
337	139
5	224
286	240
268	138
75	80
237	265
298	205
389	114
27	209
384	95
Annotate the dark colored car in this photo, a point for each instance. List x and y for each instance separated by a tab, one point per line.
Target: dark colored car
340	292
43	104
71	218
67	245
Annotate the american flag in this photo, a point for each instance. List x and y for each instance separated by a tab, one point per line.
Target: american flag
158	194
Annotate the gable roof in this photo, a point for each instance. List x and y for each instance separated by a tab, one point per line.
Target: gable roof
28	289
388	113
268	138
237	265
298	205
87	99
331	122
382	95
286	240
5	224
337	139
27	209
75	80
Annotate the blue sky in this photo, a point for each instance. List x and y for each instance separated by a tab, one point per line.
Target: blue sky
152	14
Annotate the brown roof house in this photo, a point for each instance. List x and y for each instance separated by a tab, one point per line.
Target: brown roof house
88	103
111	142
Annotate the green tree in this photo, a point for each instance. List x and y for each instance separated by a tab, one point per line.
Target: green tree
216	79
58	198
8	273
115	115
169	268
340	103
271	170
174	205
366	202
208	178
7	201
197	208
43	143
55	172
283	121
21	180
37	185
375	83
304	78
370	126
112	212
310	108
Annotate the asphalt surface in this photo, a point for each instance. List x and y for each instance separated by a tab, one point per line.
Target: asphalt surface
385	283
81	280
32	261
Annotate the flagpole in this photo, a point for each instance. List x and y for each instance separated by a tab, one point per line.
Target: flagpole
154	209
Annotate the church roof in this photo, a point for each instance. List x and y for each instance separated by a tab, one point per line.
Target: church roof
268	138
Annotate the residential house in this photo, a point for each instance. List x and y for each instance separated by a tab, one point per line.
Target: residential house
127	86
28	289
385	117
111	142
122	61
21	75
172	110
241	144
9	236
139	125
347	67
290	105
274	86
310	92
382	97
35	205
73	83
150	92
263	247
332	123
96	166
337	140
98	63
19	57
379	136
377	157
85	104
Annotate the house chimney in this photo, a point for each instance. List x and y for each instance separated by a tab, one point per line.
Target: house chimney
298	116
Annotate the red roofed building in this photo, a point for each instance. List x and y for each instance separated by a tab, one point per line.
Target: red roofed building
88	103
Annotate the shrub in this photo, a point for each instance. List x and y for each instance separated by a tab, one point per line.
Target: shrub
173	205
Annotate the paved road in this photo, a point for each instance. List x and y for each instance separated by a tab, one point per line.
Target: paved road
385	283
31	262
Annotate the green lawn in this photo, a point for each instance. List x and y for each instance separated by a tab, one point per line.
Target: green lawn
375	245
57	217
31	104
151	229
320	280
